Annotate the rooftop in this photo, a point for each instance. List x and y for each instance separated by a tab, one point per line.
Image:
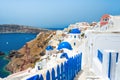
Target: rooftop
64	45
75	31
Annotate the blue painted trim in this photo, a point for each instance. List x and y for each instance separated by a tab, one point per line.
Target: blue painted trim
100	56
66	71
109	66
117	54
35	77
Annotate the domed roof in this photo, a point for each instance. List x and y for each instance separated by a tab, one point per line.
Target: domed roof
75	31
106	16
104	19
64	55
49	48
64	45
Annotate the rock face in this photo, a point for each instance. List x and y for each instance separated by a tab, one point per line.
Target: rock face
29	53
1	53
19	29
15	54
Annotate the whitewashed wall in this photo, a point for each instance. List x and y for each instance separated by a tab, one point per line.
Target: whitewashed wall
71	39
103	41
117	74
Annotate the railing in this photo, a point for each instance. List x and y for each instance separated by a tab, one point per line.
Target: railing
65	71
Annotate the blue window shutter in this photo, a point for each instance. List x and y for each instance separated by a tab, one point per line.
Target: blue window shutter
117	54
109	66
100	56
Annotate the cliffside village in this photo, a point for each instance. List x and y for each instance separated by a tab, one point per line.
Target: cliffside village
98	43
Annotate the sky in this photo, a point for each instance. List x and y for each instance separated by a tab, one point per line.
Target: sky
55	13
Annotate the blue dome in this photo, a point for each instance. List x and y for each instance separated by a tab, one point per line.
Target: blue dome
64	55
64	45
75	31
49	48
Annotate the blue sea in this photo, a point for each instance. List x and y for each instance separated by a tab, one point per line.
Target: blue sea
55	28
11	41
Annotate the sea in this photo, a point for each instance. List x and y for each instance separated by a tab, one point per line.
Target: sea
8	42
55	28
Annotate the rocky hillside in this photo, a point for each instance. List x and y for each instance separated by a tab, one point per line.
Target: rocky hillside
19	29
29	53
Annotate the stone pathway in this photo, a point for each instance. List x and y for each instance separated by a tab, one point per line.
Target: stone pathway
86	74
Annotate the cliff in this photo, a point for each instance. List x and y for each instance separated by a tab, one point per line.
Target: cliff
29	53
19	29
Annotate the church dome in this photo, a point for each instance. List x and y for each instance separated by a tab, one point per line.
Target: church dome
75	31
49	48
64	55
64	45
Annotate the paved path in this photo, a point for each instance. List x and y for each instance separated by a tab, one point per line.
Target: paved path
86	74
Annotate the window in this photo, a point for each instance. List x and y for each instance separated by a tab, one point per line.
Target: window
100	56
74	43
117	54
75	36
106	19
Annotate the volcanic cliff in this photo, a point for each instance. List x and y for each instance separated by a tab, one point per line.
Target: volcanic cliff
29	53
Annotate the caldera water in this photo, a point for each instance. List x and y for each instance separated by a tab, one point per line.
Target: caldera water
11	41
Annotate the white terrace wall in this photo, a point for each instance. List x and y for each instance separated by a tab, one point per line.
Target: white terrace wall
115	20
103	41
117	74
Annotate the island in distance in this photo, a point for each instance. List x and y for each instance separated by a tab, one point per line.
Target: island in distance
13	28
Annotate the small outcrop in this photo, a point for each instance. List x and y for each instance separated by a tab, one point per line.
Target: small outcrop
2	53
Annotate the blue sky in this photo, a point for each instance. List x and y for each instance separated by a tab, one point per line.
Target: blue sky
55	13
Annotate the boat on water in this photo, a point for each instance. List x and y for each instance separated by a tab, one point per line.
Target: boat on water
7	43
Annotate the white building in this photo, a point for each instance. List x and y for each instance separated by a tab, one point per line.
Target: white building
103	54
74	38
